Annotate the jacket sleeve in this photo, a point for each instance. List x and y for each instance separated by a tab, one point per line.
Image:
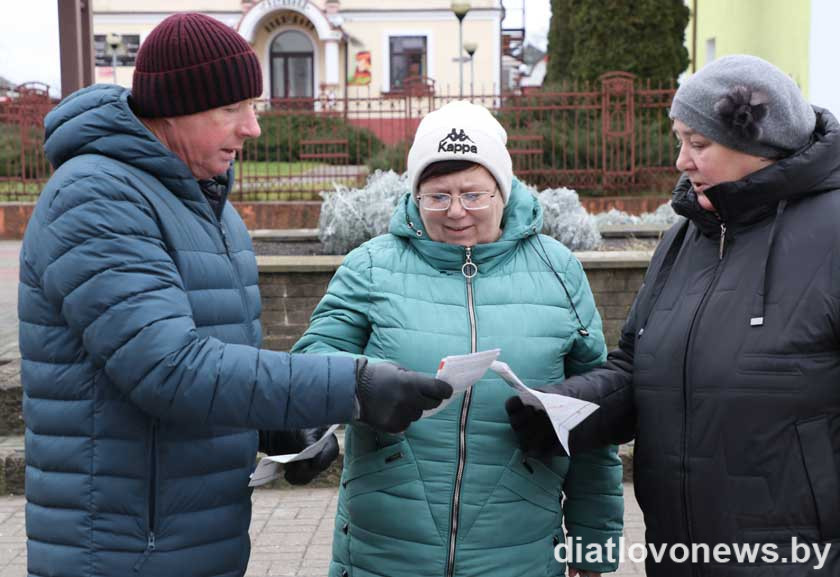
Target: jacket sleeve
593	508
340	322
108	269
611	385
611	388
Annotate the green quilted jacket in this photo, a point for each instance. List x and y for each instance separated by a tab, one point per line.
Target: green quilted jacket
453	496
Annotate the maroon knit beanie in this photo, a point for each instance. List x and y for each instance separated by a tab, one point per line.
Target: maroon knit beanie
190	63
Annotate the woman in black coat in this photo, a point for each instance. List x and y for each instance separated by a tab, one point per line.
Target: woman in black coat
727	373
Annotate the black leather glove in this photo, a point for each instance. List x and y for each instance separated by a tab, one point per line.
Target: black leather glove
390	397
286	442
533	429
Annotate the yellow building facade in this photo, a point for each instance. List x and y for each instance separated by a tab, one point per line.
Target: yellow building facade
328	48
799	37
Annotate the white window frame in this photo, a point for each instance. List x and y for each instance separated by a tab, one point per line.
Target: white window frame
386	52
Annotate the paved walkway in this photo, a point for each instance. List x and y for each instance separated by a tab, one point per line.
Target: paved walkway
291	530
9	251
291	533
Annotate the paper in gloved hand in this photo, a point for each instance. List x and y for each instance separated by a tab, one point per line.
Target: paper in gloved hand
565	413
268	468
462	372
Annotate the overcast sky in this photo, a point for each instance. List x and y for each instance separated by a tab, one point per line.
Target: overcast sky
29	36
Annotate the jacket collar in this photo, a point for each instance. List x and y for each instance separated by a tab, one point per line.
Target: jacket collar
521	218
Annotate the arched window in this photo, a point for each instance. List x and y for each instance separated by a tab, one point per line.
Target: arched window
292	72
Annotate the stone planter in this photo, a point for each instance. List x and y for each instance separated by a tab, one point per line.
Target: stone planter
291	287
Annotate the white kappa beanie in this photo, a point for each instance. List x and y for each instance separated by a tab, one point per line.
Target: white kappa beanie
461	130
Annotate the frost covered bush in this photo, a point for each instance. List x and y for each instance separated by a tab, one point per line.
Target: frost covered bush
663	216
565	219
350	216
615	217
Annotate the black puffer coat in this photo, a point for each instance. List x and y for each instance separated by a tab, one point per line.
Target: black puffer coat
728	370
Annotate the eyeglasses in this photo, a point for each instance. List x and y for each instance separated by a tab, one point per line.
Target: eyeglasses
440	201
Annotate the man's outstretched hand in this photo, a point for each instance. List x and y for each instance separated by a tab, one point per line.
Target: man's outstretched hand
391	397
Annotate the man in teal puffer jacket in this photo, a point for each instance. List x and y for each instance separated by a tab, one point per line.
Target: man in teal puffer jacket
459	273
139	327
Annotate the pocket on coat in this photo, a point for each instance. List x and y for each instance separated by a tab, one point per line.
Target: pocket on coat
818	455
382	489
533	481
525	502
767	364
378	470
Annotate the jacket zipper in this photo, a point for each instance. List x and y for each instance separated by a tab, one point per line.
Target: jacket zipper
150	536
686	421
469	270
245	308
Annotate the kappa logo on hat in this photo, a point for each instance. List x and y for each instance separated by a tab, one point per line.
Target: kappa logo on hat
457	142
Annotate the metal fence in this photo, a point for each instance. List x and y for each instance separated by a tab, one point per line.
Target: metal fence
607	137
23	166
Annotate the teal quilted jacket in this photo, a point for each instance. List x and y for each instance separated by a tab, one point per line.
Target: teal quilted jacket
143	382
454	496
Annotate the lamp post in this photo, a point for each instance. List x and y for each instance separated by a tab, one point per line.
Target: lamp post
460	10
471	47
114	41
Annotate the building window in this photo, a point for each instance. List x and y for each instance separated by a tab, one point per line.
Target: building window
407	59
292	72
126	54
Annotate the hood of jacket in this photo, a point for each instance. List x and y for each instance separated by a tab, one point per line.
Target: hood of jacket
99	120
522	218
813	170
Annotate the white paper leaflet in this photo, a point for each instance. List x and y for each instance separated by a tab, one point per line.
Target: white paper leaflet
269	468
462	372
565	413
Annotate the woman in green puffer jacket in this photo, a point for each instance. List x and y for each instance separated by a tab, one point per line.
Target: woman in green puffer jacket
465	269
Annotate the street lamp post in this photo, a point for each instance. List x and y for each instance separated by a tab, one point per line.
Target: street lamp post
471	47
460	10
114	42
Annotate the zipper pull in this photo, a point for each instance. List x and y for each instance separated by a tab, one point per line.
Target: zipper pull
722	239
150	546
469	269
224	236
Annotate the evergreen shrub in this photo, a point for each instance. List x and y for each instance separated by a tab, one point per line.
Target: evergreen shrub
281	136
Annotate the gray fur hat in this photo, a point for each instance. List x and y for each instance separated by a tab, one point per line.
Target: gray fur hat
748	104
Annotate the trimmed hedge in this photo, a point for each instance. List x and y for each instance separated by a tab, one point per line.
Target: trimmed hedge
391	157
282	134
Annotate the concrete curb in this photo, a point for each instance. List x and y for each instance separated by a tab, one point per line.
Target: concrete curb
11	397
635	259
12	466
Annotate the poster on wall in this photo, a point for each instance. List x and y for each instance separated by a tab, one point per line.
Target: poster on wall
361	77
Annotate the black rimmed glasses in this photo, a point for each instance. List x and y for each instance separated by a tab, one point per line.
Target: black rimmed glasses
440	201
